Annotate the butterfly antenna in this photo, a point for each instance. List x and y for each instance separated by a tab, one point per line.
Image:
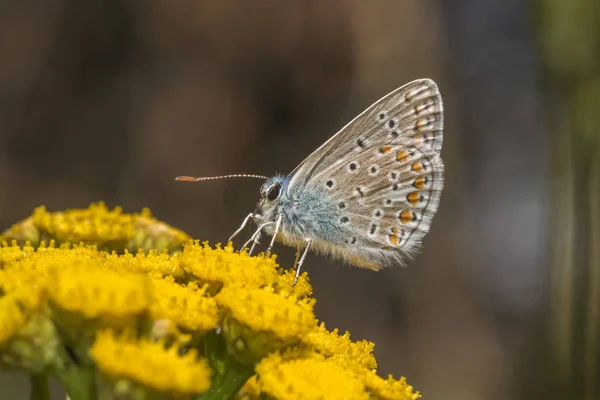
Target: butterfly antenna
212	178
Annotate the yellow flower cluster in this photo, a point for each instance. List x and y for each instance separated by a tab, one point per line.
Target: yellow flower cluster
147	363
107	229
114	321
324	365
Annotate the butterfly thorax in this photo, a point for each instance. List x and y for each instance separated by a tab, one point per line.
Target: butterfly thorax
306	213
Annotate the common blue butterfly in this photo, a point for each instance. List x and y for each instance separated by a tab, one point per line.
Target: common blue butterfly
369	194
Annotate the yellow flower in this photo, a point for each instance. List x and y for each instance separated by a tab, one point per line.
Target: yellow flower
256	322
109	230
243	312
308	378
250	391
95	292
29	267
224	266
285	284
12	253
154	264
389	389
189	309
150	365
86	297
341	348
17	277
16	308
22	232
28	339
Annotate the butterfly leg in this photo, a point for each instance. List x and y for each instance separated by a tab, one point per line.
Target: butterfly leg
254	243
308	242
250	216
256	235
275	232
297	256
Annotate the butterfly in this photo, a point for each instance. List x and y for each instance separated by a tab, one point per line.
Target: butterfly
368	195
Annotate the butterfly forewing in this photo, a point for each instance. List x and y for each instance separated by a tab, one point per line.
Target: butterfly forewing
385	168
413	111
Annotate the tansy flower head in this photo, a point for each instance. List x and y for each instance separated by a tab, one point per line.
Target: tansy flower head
12	252
189	309
285	284
256	322
29	267
341	348
390	388
108	229
153	263
96	292
85	296
24	232
20	276
224	266
16	308
28	339
148	366
308	378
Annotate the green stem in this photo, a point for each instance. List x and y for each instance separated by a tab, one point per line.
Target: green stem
229	374
78	380
39	387
235	376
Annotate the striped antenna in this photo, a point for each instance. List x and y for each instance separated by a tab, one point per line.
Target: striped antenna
212	178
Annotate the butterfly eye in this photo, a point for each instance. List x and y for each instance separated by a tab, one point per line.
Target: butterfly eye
273	192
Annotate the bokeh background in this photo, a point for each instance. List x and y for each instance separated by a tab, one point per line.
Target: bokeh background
111	99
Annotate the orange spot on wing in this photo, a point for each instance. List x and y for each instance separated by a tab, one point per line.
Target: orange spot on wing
417	167
394	240
402	156
407	216
385	149
419	183
413	197
419	125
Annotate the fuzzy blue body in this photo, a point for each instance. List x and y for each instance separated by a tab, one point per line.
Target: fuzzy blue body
306	214
310	213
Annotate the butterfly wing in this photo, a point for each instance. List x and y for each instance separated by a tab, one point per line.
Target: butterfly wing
385	173
414	110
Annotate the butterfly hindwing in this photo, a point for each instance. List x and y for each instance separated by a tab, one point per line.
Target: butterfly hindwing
391	198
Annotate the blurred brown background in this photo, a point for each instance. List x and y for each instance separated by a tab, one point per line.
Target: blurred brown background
110	100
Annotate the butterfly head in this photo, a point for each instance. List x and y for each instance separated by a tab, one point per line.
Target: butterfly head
272	192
